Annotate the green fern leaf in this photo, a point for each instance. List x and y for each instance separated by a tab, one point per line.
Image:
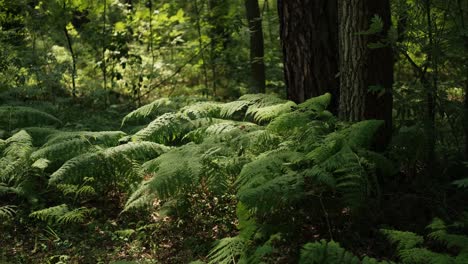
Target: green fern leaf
227	251
317	104
150	111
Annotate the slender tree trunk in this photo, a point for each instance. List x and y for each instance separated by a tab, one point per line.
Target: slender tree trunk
200	44
256	46
366	74
104	66
464	29
431	91
151	42
72	52
309	36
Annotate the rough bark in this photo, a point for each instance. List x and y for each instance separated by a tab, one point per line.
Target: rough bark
309	36
366	74
256	46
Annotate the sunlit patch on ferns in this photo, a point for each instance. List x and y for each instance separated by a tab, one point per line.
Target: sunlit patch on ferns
108	166
267	113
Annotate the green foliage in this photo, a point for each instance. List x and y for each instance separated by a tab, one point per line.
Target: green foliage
63	146
108	166
13	117
14	166
150	111
61	215
410	246
331	252
7	211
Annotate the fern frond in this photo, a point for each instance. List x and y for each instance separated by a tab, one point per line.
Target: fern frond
266	184
404	240
74	216
170	179
227	251
234	110
326	252
317	104
261	100
165	129
15	160
140	198
150	111
107	164
202	110
362	134
63	151
331	253
13	117
50	213
290	123
61	214
268	113
463	183
423	256
439	233
7	212
105	138
257	141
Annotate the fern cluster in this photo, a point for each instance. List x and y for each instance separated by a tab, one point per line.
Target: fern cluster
412	250
16	178
277	155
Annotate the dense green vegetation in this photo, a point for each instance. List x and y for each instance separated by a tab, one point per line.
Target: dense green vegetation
213	131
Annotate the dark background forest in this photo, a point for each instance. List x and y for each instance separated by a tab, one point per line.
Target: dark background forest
254	131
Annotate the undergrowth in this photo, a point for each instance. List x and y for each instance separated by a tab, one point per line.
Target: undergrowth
256	180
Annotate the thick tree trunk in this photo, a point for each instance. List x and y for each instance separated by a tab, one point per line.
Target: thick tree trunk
309	36
256	46
366	74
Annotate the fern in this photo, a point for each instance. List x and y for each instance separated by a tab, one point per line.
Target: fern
268	113
7	212
266	183
290	123
62	215
107	165
106	138
150	111
15	160
410	250
228	251
324	252
234	110
261	100
316	104
202	110
440	233
13	117
165	129
404	240
236	249
64	146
